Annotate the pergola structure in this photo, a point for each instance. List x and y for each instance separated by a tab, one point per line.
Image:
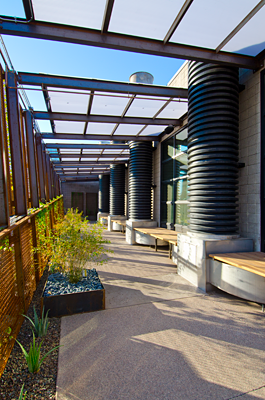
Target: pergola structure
88	109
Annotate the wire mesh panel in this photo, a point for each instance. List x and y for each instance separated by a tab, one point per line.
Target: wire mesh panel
20	271
28	262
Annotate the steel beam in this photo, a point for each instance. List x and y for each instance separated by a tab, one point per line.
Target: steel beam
89	162
87	156
27	78
80	164
70	34
80	175
69	136
107	16
16	146
31	160
28	9
40	168
110	119
178	20
100	146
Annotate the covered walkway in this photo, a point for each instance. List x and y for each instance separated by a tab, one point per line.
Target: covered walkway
160	337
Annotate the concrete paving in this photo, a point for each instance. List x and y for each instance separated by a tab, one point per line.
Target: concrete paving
160	338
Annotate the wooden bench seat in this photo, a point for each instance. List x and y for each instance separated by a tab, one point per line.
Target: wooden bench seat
240	274
163	234
121	222
253	262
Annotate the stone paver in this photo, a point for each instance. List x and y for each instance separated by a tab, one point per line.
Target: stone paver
160	338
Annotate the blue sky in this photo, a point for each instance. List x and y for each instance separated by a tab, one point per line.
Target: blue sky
36	55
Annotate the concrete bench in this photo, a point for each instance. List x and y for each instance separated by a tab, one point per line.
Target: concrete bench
163	234
240	274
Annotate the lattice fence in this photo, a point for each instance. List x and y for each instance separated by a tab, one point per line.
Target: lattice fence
20	271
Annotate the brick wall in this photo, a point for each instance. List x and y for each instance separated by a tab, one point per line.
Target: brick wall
249	153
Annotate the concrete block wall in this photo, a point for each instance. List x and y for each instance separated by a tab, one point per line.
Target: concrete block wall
249	153
180	79
85	187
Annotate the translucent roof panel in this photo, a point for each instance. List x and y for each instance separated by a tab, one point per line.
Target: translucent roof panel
69	127
144	107
152	130
250	39
109	105
98	128
63	101
92	151
68	159
174	109
207	23
124	129
149	18
72	151
90	159
85	13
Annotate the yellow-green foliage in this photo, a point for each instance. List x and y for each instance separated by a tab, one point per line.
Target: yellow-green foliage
75	243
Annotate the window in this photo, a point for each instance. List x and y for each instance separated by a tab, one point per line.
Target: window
174	188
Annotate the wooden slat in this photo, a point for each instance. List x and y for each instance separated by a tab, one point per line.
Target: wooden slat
160	233
252	262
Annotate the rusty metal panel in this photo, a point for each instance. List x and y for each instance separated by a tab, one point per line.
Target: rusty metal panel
31	160
16	148
46	182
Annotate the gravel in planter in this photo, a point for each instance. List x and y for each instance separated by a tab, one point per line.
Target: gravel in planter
59	284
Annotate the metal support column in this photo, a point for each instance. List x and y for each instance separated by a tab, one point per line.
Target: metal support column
31	161
15	143
40	168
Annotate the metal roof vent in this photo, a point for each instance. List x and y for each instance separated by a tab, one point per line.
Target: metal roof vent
142	77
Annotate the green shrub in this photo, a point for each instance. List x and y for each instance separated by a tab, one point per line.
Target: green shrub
33	356
40	326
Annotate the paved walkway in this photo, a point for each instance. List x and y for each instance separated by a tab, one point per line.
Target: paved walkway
160	338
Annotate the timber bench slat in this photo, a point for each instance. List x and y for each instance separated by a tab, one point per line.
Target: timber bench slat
160	233
253	262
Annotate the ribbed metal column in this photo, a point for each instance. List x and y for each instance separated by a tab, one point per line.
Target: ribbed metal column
213	148
103	194
117	189
140	180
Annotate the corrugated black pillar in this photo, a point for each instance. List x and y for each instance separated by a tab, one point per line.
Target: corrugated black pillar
140	180
103	194
117	189
213	148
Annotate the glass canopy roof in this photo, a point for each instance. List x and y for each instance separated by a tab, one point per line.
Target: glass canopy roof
202	23
227	28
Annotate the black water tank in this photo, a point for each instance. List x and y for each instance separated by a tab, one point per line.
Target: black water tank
103	194
140	180
213	148
117	189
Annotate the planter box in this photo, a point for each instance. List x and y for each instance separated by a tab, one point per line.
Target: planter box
74	303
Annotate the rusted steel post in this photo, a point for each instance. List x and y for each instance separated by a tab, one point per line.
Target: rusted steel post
15	142
31	160
4	192
40	168
48	166
46	182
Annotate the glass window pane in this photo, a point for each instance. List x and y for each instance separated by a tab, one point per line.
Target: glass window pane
167	192
167	170
182	191
181	214
168	149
